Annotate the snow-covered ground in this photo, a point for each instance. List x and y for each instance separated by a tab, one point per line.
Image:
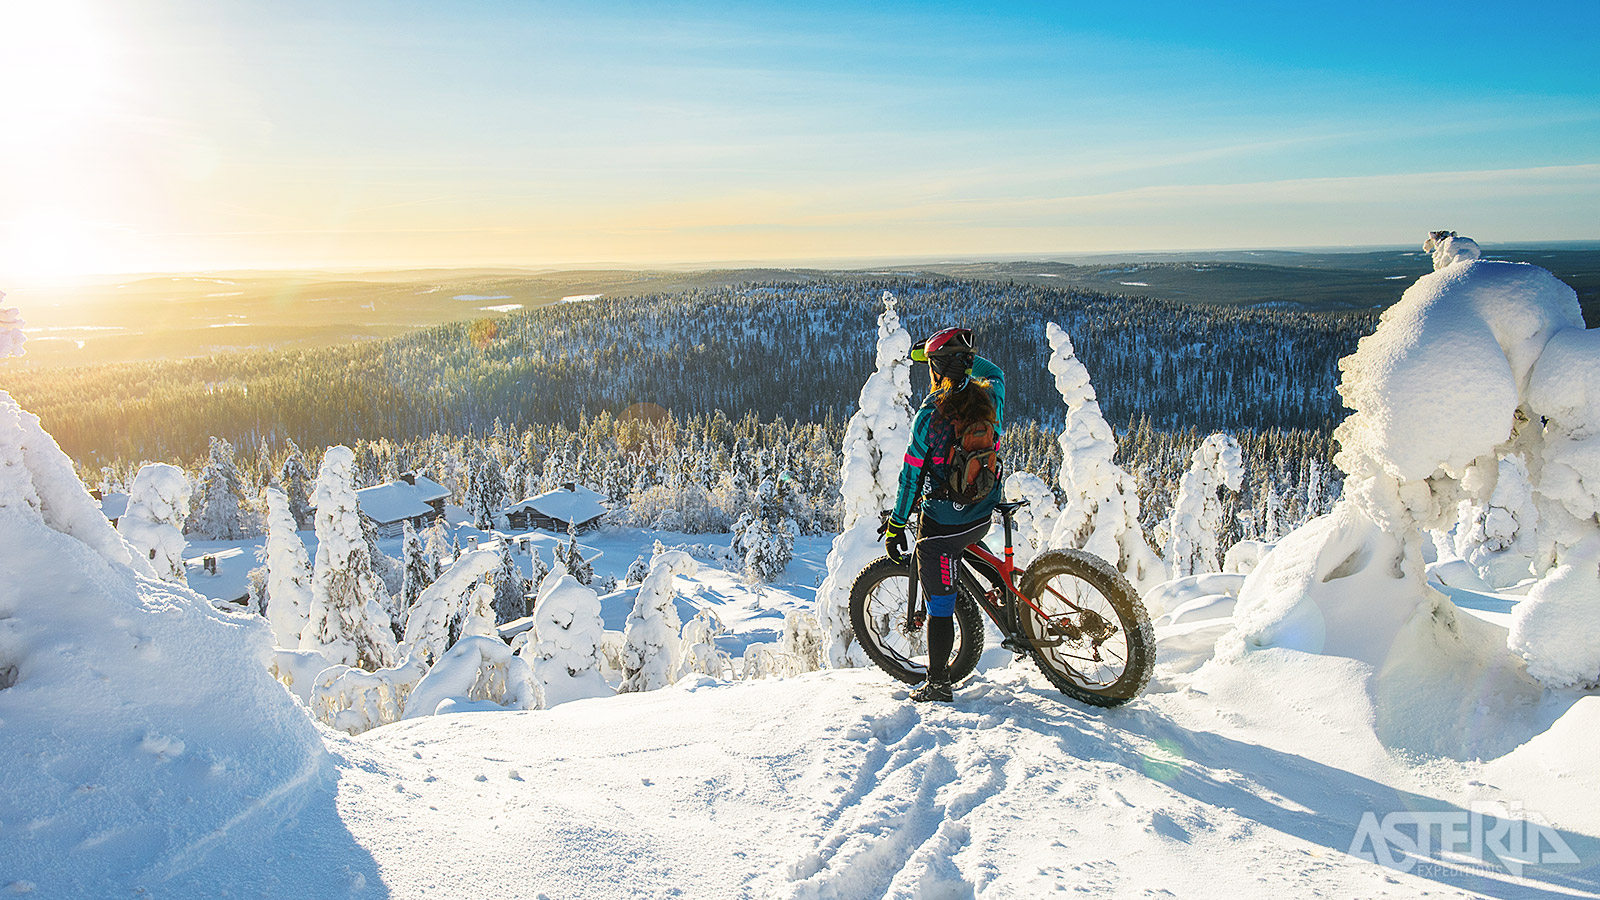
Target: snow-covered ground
1237	781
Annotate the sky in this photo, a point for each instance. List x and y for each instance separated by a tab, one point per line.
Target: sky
180	135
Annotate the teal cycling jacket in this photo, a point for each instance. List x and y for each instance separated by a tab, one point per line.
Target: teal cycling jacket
917	456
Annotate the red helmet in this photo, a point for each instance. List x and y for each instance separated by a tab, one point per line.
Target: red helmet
945	343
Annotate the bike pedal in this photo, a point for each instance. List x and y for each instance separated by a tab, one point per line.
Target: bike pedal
1015	646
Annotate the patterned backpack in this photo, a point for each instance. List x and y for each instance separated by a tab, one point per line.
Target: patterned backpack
972	467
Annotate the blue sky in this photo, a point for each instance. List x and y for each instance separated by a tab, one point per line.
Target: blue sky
182	134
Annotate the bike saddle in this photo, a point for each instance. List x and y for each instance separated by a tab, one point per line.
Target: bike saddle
1008	508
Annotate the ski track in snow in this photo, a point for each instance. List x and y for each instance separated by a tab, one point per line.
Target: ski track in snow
833	786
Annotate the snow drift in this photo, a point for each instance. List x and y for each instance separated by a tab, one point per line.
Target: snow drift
138	724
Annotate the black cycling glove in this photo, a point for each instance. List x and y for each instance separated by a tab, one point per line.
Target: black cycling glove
894	542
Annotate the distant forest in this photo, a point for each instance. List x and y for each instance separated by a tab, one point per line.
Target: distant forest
797	352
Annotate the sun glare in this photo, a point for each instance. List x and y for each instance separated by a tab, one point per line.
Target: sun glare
54	99
58	65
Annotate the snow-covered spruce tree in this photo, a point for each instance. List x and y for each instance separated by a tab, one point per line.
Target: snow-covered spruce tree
637	570
486	488
874	448
1032	524
1100	512
348	623
564	649
699	645
439	618
419	571
652	652
288	573
438	546
157	504
216	513
510	589
1193	528
768	542
537	570
293	478
577	566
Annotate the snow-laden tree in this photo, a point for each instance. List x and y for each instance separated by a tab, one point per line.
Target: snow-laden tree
255	587
216	513
438	547
1100	511
1481	360
1193	528
1498	535
439	618
652	652
510	589
637	570
486	488
564	649
418	571
767	541
699	645
293	478
158	501
537	570
1032	525
576	565
11	336
348	621
478	668
873	451
288	573
803	641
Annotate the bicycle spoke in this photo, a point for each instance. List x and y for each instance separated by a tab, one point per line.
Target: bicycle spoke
1083	660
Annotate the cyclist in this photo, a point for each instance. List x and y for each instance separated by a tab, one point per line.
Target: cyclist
965	389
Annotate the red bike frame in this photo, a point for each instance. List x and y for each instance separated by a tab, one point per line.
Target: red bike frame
1004	570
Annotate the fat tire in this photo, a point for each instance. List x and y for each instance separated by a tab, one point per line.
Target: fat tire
968	621
1132	619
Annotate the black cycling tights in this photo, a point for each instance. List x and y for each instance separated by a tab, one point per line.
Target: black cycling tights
939	549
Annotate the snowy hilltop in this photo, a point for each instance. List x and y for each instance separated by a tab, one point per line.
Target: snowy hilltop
1395	698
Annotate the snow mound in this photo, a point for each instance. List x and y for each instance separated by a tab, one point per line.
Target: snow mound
1438	383
139	725
1554	629
1195	597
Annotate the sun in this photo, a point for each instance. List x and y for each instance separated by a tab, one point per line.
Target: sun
58	92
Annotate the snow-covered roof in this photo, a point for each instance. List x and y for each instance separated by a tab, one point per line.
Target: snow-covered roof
578	505
396	500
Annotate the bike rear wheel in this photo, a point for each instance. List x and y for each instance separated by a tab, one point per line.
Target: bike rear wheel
878	615
1090	634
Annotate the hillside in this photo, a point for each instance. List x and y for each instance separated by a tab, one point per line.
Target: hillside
770	349
179	315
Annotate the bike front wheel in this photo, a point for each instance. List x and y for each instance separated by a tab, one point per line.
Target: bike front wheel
1086	628
878	615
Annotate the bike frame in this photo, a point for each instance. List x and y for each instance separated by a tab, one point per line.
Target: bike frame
1001	571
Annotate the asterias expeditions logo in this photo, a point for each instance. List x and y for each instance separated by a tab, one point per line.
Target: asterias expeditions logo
1486	832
